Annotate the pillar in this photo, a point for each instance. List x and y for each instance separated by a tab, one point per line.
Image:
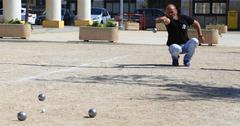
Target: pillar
53	14
12	9
121	15
83	13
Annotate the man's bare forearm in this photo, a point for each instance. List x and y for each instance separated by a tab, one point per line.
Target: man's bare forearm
163	19
197	26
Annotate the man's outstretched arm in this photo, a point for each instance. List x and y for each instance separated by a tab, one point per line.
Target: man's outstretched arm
163	19
197	26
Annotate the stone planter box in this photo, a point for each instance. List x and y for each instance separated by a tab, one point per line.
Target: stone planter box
15	30
161	27
87	33
211	36
131	26
220	28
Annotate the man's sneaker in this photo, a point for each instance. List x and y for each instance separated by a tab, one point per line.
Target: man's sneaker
187	63
175	62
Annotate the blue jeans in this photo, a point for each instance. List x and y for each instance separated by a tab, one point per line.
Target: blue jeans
188	48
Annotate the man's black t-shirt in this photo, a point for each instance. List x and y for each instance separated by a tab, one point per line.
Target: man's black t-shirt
177	30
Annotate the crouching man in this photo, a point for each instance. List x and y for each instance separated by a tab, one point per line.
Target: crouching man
178	40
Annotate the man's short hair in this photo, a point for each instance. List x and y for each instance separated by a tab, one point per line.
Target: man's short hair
171	5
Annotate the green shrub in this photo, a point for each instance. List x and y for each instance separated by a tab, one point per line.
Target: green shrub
95	24
110	23
16	21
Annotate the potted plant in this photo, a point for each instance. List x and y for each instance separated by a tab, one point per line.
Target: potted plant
220	27
211	35
98	31
130	25
15	28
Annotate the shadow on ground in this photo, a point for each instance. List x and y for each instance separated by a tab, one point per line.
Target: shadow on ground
128	66
168	89
192	91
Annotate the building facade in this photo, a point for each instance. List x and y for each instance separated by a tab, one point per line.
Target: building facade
205	11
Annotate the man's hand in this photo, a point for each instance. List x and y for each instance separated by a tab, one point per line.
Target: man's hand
163	19
197	26
201	39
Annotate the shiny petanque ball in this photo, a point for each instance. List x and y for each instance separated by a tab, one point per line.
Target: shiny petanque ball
22	116
154	30
41	97
43	110
92	112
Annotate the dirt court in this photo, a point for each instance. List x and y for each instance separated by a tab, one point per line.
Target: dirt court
129	85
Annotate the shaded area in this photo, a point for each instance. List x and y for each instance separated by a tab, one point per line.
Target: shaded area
188	91
115	66
167	89
87	117
217	69
143	65
129	66
37	65
144	80
233	52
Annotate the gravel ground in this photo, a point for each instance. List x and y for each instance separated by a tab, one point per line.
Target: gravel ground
131	85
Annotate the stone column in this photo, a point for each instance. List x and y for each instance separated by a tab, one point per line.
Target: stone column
83	13
53	14
12	9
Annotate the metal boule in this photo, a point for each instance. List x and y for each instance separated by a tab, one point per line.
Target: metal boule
22	116
92	112
41	97
154	30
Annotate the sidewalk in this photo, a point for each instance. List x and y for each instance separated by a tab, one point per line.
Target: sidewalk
71	34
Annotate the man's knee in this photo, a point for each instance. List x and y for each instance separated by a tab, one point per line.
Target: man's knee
194	41
175	49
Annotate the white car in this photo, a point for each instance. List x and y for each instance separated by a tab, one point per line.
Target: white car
31	17
100	14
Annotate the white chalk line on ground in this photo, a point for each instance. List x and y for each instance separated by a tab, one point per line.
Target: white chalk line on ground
71	69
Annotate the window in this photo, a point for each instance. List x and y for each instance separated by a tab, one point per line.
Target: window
148	13
96	11
219	8
202	8
113	6
116	7
105	13
210	7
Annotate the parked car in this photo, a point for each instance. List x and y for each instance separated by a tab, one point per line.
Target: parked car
100	14
31	16
150	14
67	15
